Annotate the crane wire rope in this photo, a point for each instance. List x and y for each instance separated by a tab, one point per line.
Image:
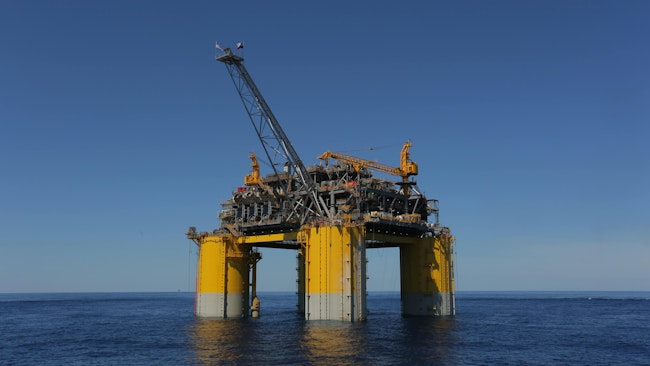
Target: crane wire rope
370	148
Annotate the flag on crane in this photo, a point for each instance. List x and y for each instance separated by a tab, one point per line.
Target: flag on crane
240	45
216	45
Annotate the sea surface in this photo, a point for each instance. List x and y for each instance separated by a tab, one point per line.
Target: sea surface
490	328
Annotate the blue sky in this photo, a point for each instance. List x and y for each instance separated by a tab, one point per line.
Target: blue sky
529	121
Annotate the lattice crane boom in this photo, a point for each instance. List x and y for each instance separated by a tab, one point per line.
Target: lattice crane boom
275	142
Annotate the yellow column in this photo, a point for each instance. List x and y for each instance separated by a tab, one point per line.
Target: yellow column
222	281
335	273
427	281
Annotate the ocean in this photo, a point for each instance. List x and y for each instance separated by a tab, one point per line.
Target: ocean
490	328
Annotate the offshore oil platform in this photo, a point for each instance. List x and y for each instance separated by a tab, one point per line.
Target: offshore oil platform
330	214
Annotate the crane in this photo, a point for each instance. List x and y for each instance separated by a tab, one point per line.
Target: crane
276	144
406	168
254	179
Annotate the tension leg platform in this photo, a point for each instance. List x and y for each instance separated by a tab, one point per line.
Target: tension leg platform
427	282
223	278
332	275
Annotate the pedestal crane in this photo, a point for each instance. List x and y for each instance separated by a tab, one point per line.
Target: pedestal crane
406	168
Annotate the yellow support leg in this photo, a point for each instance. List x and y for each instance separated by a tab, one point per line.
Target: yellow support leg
335	273
427	281
222	278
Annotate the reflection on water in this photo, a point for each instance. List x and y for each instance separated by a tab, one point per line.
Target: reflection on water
282	336
334	342
217	341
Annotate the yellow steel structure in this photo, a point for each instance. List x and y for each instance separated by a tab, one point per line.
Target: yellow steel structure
426	276
334	273
331	271
253	178
223	277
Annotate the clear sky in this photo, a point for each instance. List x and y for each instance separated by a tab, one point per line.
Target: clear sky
530	122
